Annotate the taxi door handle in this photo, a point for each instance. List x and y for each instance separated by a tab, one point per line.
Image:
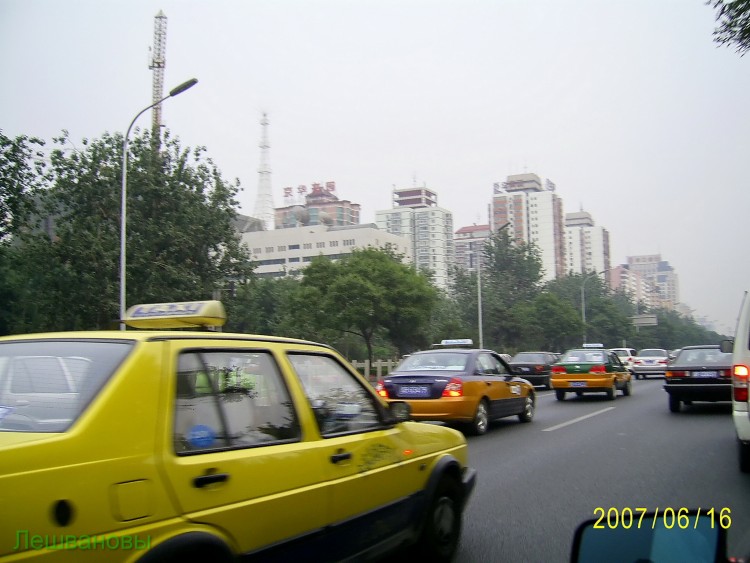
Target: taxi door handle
205	480
341	456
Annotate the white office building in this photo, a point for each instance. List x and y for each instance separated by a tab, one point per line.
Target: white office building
586	245
283	251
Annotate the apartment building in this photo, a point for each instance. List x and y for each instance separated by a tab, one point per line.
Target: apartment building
586	245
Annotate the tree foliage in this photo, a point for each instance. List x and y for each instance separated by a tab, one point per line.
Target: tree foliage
181	243
369	293
733	23
21	177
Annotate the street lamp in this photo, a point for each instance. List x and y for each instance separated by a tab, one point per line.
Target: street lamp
123	192
583	298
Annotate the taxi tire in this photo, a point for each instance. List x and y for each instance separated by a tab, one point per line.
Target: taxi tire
560	394
442	528
612	393
481	422
528	410
628	389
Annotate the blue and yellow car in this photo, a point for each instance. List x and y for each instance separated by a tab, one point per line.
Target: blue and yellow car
590	369
173	445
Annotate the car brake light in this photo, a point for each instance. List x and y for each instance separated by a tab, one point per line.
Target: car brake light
663	361
598	369
559	369
381	390
637	361
454	388
539	369
674	374
739	382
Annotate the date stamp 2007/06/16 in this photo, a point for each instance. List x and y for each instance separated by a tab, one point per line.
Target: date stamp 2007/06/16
680	518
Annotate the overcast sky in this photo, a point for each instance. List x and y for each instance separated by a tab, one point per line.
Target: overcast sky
627	105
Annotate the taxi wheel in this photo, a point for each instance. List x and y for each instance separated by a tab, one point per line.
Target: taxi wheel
628	389
481	421
528	410
612	393
560	394
442	529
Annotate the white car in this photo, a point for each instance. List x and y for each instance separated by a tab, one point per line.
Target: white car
650	361
740	370
626	355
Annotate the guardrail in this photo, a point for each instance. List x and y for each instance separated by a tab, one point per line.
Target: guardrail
376	370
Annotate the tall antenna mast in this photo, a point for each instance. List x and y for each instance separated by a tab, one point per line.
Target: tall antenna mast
157	64
264	199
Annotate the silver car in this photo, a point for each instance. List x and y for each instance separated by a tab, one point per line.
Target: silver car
650	361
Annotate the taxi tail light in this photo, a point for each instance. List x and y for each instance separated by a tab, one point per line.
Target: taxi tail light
559	370
454	388
739	382
678	373
598	369
381	390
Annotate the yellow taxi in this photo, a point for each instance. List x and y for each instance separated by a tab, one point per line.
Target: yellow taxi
169	445
456	383
590	369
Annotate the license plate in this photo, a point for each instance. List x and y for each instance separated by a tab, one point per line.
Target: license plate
414	391
650	361
704	374
578	384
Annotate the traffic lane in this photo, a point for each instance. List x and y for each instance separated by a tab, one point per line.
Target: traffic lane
536	485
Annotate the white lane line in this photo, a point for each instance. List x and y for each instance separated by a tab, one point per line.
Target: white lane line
579	419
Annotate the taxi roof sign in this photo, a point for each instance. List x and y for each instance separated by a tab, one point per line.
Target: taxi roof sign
455	343
593	345
186	314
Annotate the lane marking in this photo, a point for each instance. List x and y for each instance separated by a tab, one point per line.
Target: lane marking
579	419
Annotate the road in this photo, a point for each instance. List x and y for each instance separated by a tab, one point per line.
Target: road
537	481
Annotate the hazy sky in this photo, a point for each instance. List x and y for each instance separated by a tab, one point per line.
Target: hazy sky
627	105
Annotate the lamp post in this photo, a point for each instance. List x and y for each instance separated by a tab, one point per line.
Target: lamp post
583	298
478	259
123	192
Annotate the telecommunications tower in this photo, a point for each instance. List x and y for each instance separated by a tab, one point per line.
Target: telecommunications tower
264	199
157	65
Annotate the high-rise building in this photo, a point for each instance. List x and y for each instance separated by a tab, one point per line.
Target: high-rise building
321	206
416	216
586	245
468	243
535	215
661	275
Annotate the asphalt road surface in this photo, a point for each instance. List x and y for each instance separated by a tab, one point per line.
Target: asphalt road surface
536	482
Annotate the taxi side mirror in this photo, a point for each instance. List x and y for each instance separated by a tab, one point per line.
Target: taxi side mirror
400	411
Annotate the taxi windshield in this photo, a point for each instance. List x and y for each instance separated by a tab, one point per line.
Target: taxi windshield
448	361
46	384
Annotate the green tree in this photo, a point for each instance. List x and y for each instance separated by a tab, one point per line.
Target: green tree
733	23
181	243
371	292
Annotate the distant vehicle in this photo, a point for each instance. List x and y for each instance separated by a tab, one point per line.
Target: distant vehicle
534	366
650	361
699	373
471	387
627	355
590	370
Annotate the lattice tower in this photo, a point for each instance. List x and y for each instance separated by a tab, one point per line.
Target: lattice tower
264	199
157	64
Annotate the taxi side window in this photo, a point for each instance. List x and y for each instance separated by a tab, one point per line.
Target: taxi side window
340	401
231	399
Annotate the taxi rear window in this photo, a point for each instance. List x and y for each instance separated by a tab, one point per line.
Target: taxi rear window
45	385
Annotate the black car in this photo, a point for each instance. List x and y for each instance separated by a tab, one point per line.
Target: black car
699	373
534	366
